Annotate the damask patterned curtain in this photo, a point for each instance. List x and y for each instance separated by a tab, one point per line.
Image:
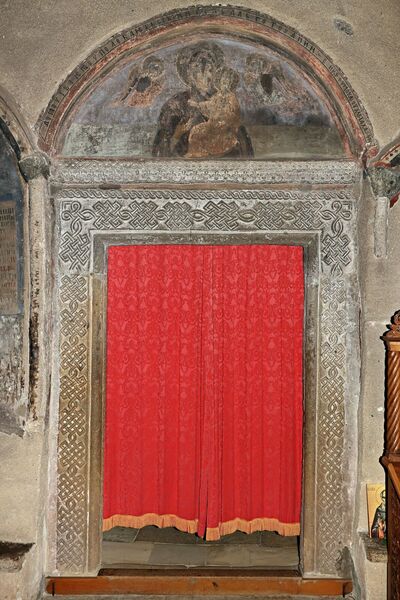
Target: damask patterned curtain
204	388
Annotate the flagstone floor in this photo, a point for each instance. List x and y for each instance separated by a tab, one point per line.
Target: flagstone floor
151	547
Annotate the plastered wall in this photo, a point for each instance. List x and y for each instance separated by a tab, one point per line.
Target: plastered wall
41	41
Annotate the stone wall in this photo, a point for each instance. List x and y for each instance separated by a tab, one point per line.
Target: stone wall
380	295
40	43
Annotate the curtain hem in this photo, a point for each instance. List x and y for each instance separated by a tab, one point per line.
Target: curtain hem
191	526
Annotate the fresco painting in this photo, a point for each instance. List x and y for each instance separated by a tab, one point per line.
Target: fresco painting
216	98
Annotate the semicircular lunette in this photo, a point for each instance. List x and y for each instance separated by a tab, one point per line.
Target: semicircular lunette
210	98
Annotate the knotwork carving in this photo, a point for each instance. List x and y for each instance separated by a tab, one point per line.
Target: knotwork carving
85	211
73	425
332	419
234	210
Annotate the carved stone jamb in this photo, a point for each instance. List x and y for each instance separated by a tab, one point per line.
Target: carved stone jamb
391	458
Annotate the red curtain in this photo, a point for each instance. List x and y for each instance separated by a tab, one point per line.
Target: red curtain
204	388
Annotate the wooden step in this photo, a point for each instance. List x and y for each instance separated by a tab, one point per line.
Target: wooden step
192	583
158	597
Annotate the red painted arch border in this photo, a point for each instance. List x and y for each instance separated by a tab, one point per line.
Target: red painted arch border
351	117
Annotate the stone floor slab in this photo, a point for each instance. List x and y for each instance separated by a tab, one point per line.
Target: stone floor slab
228	556
270	538
124	553
178	555
274	557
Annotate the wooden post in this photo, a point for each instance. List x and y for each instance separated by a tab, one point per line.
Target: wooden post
391	458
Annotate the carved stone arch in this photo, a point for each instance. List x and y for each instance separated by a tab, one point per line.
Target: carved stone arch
12	118
242	23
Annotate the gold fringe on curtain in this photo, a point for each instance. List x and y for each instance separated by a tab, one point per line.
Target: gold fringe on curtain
190	526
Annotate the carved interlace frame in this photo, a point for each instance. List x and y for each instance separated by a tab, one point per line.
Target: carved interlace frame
321	218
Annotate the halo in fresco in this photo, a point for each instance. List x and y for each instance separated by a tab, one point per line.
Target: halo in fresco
216	98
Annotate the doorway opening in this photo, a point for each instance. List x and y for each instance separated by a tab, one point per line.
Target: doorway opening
204	407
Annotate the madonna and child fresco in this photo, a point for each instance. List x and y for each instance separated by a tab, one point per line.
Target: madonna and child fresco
215	99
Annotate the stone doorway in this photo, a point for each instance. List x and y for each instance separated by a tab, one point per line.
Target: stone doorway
114	193
321	219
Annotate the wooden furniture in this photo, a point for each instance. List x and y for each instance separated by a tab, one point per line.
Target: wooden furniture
391	457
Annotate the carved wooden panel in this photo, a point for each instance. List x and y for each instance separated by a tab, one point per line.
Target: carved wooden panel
391	459
393	542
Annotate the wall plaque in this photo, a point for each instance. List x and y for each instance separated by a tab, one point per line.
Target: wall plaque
8	259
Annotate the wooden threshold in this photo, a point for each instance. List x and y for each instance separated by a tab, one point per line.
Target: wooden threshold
197	583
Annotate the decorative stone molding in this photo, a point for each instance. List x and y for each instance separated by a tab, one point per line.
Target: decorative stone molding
384	173
344	172
251	22
204	210
90	219
385	182
34	165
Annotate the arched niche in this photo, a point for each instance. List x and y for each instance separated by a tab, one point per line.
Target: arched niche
14	143
21	202
271	94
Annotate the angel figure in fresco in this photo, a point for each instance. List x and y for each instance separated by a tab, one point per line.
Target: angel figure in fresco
191	121
144	83
267	81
